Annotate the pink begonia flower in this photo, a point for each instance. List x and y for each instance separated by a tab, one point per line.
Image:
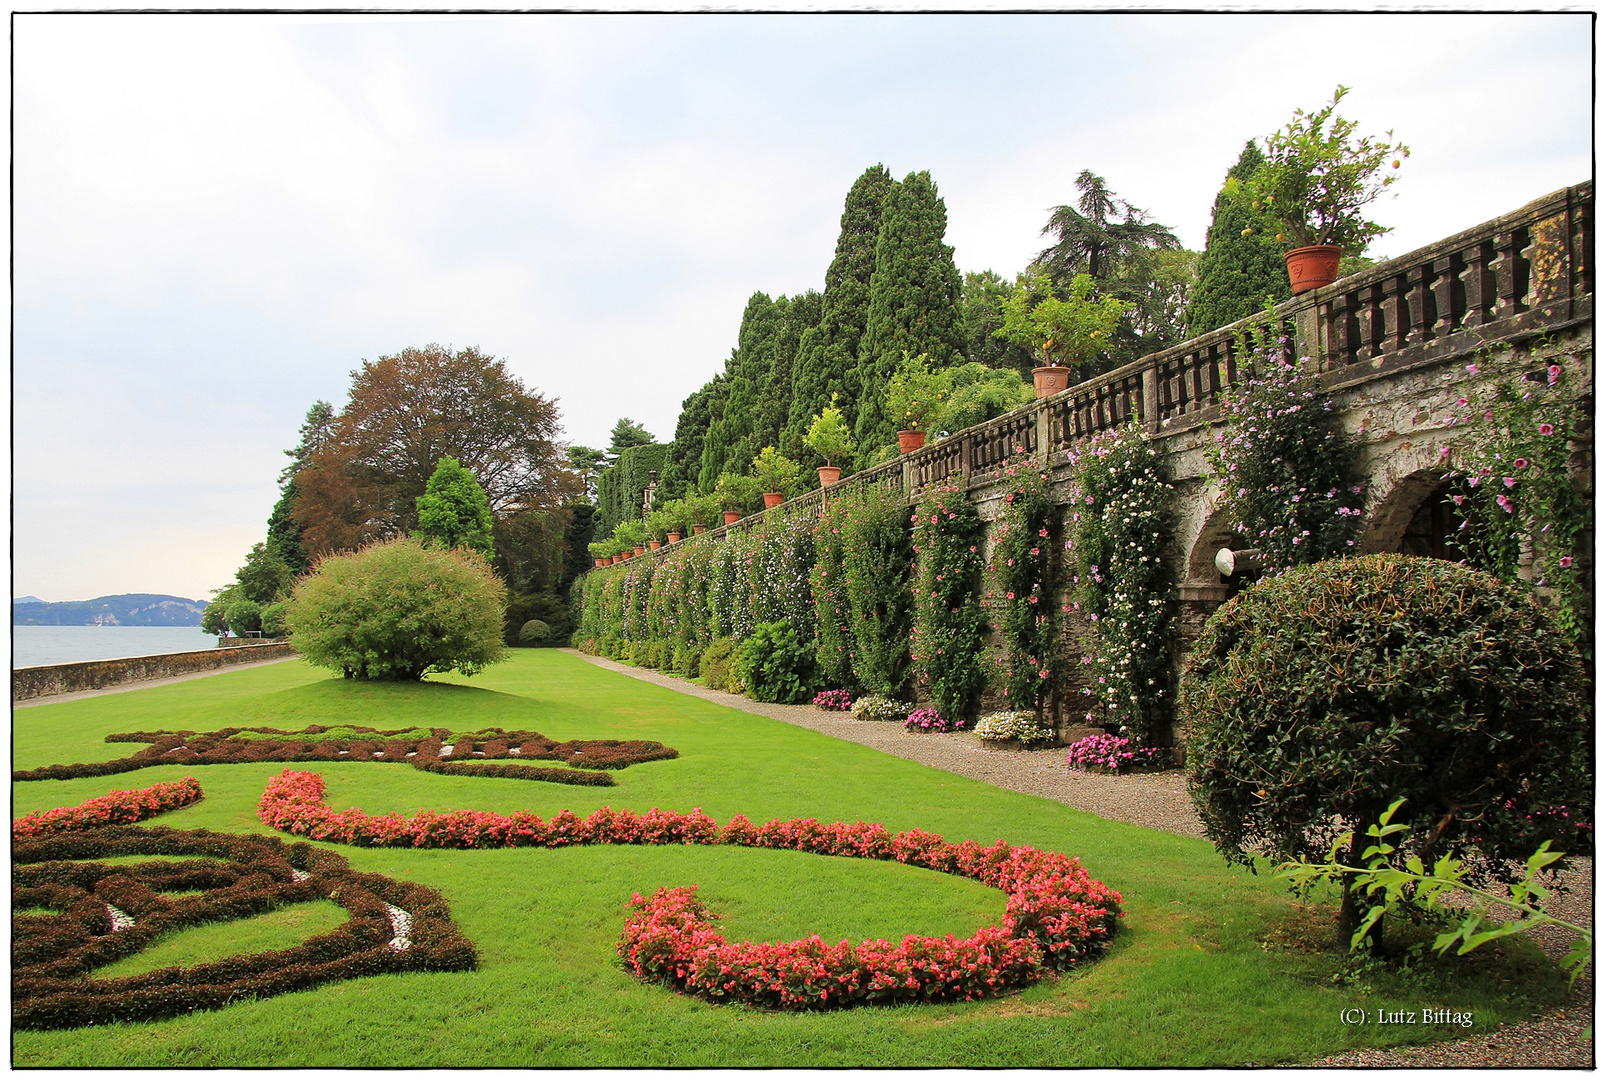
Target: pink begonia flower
1566	562
1521	463
1510	481
1547	429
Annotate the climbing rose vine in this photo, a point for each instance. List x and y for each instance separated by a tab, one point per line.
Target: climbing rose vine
1121	532
1018	585
949	628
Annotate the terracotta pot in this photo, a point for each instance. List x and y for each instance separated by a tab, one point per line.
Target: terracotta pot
773	499
829	474
654	545
1051	380
640	550
602	562
1312	267
698	530
674	538
910	441
732	516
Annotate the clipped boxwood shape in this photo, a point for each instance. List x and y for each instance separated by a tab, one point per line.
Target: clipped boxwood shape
103	913
1316	698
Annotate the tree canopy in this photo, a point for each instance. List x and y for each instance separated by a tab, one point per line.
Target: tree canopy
454	512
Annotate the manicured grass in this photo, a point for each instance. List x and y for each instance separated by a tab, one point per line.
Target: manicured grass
1188	981
283	928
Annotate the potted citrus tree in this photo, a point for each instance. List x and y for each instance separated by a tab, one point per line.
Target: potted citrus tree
776	475
1315	180
736	494
829	437
915	394
1063	333
700	510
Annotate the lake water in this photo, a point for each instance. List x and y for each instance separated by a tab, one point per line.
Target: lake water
34	645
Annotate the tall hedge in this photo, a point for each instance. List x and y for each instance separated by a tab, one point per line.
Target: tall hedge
876	565
619	489
949	625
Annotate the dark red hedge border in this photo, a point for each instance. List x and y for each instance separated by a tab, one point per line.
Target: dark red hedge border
486	753
54	956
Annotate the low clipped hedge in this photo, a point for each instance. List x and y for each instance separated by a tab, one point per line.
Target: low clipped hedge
53	957
492	752
1317	697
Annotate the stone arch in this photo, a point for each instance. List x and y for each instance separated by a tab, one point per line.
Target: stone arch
1215	532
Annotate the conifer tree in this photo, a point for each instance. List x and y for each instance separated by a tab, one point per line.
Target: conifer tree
828	350
799	314
732	438
914	303
685	462
1237	272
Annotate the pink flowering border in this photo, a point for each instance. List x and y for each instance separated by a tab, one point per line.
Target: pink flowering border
1055	915
113	808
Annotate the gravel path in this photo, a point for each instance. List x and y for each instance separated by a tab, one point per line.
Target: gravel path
1160	801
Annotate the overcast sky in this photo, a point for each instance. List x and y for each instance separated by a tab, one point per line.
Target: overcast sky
218	217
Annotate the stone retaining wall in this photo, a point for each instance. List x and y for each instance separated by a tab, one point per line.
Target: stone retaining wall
48	680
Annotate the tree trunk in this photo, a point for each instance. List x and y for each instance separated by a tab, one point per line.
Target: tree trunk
1350	907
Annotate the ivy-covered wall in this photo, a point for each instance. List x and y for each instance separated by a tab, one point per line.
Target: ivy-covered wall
619	489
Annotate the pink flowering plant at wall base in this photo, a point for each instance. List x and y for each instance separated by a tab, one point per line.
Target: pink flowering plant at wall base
1515	489
930	721
949	636
1121	531
833	700
1287	470
1019	589
1114	753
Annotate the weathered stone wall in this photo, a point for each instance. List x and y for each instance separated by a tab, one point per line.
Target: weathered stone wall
51	679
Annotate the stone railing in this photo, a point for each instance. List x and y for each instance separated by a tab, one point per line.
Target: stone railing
48	680
1521	274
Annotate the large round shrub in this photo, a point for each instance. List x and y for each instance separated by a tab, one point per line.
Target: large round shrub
244	617
399	610
1318	697
776	665
534	632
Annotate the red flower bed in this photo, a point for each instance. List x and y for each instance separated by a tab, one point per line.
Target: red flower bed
115	808
1055	916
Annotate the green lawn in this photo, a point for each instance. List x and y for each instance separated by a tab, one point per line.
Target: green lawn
1189	982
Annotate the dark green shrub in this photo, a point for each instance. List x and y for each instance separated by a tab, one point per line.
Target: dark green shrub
244	617
687	661
949	629
833	635
534	632
776	665
399	610
272	620
1317	698
717	663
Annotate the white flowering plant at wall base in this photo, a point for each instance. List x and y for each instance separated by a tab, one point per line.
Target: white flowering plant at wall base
1120	534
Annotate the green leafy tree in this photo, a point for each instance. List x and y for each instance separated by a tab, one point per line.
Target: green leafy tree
1242	266
914	301
588	465
244	617
916	393
1072	331
272	619
453	511
775	472
828	351
399	610
265	577
828	435
981	305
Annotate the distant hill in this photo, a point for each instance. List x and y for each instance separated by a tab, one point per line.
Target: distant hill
126	609
27	600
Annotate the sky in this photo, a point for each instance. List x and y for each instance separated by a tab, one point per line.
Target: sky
217	218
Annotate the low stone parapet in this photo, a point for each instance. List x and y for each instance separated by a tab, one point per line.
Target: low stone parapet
48	680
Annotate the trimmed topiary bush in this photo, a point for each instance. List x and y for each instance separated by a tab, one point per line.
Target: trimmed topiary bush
776	665
1316	698
399	610
534	632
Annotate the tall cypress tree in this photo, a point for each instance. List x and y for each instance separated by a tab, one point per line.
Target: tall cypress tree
1237	272
914	302
828	350
691	430
799	314
730	444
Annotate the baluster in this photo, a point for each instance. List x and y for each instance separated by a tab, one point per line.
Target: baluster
1510	273
1369	321
1449	294
1419	300
1478	283
1395	317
